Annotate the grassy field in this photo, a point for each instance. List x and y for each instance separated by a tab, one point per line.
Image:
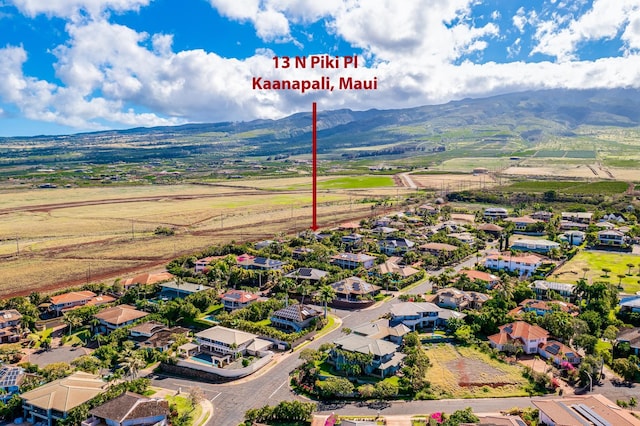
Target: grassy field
55	238
353	182
571	271
329	183
465	372
568	187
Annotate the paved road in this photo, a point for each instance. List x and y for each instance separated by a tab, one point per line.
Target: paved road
231	400
271	386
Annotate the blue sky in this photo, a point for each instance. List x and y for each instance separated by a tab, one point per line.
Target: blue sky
78	65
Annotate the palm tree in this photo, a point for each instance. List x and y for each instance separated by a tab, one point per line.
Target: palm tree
287	284
326	295
133	363
606	272
73	321
584	270
178	284
620	277
629	265
304	289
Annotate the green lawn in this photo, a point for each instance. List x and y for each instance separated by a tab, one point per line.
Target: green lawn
571	271
184	406
355	182
80	337
213	309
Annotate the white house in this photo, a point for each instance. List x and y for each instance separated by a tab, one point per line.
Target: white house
227	341
612	238
537	246
421	315
524	265
493	213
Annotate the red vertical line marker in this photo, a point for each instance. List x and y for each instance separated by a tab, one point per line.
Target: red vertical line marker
314	165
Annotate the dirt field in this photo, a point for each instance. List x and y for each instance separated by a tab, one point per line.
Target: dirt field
563	170
453	182
465	372
55	238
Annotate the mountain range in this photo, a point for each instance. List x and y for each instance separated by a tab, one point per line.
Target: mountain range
523	119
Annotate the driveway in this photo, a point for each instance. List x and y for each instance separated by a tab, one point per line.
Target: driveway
62	354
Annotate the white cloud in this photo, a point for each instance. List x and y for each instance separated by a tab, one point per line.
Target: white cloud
44	101
271	24
519	19
72	8
631	35
425	29
109	73
515	48
495	15
561	35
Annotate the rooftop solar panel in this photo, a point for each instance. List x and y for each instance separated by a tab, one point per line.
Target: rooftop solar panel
591	415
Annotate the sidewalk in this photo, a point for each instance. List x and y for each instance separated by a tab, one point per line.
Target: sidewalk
398	420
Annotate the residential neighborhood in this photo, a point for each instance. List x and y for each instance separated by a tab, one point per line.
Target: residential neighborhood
433	308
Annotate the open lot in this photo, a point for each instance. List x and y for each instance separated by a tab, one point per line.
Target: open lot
465	372
453	181
52	238
595	261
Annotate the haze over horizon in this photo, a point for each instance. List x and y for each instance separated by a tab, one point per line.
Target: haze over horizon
69	66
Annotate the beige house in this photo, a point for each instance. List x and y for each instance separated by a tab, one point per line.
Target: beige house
229	343
52	402
460	300
10	329
117	316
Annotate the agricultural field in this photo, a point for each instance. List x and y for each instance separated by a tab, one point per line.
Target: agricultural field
52	238
324	183
453	181
568	187
465	372
560	169
466	165
590	265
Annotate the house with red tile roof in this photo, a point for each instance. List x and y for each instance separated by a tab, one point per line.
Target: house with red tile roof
519	334
490	280
70	300
146	279
237	299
